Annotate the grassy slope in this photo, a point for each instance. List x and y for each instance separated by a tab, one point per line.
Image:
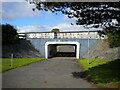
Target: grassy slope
105	73
17	62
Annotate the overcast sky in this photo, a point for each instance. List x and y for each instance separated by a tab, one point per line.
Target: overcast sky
21	15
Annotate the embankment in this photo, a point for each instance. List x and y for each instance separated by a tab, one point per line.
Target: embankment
101	50
23	49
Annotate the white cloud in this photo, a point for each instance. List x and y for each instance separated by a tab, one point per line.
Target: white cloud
33	28
68	27
46	28
48	15
12	0
69	20
0	10
15	10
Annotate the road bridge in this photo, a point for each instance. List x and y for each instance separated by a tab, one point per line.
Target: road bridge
48	43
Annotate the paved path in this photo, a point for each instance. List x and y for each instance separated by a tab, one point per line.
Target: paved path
51	73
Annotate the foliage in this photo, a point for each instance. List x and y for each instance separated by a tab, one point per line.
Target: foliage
113	36
114	40
89	14
9	34
102	72
17	62
55	30
96	14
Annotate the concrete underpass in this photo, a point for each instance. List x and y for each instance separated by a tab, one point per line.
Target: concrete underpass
42	45
59	50
62	49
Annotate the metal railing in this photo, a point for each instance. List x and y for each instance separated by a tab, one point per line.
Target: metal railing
60	35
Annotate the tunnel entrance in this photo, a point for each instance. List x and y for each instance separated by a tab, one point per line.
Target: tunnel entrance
66	51
62	49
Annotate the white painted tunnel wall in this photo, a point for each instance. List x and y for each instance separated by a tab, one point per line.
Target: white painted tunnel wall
76	43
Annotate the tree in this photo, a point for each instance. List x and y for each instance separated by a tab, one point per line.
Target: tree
9	34
88	14
113	36
55	30
91	14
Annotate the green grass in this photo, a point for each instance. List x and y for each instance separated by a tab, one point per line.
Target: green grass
93	62
102	72
17	62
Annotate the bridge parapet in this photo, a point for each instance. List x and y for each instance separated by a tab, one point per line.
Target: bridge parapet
66	35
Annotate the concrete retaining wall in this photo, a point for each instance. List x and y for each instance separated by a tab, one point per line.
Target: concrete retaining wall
39	44
101	50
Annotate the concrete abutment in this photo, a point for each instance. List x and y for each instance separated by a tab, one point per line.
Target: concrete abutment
47	47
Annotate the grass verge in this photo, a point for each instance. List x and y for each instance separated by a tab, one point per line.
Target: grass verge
102	72
17	62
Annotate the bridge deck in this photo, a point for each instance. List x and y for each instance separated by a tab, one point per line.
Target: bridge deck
60	35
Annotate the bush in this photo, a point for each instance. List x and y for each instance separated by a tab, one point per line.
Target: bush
113	34
114	40
55	30
9	34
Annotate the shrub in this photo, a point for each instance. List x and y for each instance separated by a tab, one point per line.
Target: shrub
9	34
55	30
113	34
114	40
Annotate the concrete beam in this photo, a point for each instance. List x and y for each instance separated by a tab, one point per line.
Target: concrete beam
47	48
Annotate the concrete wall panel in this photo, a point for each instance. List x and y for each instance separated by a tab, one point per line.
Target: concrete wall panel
39	44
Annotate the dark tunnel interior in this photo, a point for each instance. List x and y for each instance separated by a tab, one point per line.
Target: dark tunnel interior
60	50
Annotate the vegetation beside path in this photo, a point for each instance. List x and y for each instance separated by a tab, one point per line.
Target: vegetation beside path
102	72
7	64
